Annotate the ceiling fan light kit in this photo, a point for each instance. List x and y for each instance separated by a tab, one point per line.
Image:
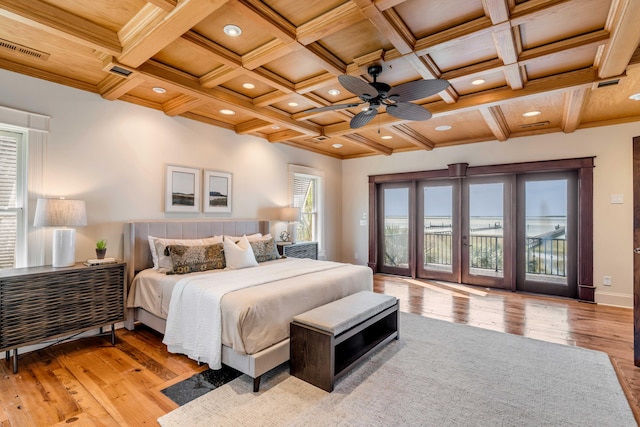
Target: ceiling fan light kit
394	99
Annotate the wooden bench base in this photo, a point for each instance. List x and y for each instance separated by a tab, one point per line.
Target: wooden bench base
320	358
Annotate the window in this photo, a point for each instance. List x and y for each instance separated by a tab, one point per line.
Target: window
12	178
305	186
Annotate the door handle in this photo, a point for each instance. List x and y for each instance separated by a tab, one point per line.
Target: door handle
636	250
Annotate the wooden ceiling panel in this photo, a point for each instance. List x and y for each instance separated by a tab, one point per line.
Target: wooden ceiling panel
102	12
212	110
561	62
466	52
464	126
259	88
355	41
550	107
254	34
532	54
563	21
612	103
299	12
427	17
185	56
294	68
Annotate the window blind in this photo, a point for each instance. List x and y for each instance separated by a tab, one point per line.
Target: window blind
9	210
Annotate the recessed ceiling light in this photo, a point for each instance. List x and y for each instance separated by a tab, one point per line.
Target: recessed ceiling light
227	112
443	127
334	92
386	137
159	89
232	30
478	82
531	113
336	145
293	104
275	127
635	97
248	85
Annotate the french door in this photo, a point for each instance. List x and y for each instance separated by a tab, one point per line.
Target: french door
515	231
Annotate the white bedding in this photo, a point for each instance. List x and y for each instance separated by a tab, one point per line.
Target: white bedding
255	315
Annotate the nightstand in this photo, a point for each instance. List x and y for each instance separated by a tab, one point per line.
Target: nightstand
40	303
298	249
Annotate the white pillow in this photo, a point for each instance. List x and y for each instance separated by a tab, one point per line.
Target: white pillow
239	255
161	261
251	237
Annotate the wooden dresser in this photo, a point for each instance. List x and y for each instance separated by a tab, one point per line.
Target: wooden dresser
40	303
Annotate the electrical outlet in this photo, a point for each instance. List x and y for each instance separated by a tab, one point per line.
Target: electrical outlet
606	281
363	222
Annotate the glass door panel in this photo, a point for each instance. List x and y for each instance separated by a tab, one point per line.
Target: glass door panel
483	236
546	235
437	242
396	249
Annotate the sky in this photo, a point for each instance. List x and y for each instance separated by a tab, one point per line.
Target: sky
543	198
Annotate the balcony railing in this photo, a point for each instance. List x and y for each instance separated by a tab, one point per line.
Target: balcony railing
544	256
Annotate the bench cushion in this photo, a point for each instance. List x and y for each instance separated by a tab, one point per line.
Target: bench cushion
343	314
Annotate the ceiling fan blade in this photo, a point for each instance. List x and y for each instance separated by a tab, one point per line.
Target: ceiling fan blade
408	111
418	89
358	87
332	107
362	118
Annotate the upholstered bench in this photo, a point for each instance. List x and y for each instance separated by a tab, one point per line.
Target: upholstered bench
327	341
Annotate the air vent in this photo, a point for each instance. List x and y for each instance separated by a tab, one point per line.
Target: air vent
321	138
534	125
608	83
23	50
120	71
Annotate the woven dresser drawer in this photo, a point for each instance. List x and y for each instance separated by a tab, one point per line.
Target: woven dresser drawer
42	302
299	250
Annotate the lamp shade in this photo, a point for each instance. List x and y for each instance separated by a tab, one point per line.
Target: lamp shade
290	214
60	213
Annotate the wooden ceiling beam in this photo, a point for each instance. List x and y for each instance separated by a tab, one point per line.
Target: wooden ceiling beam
574	102
496	10
209	47
220	75
386	27
59	22
622	22
207	120
46	75
167	5
415	138
272	79
181	104
447	39
283	135
336	19
315	83
494	118
271	98
268	52
153	28
318	53
189	85
113	87
259	12
368	143
251	126
594	38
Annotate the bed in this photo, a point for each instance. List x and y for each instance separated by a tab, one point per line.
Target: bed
254	319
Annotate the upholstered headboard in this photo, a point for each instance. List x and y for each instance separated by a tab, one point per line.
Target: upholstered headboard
136	243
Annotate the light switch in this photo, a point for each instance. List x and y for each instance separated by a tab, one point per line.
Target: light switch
363	222
617	198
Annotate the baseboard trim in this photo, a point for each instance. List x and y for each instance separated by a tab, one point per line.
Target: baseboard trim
614	299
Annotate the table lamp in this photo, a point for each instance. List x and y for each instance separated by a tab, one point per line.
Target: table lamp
61	213
289	215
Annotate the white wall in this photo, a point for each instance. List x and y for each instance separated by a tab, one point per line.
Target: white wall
113	154
613	174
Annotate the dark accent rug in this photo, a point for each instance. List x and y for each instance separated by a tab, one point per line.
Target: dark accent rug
200	384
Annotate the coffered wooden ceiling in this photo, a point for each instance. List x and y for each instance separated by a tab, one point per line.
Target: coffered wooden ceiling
574	61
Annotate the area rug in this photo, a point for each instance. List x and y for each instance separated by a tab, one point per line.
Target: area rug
437	374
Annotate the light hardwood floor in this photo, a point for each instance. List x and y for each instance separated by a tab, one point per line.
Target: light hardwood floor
88	382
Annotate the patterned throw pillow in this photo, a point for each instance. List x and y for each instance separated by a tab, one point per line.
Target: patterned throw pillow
189	259
264	250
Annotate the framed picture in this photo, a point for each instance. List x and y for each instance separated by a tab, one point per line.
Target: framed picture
217	191
182	189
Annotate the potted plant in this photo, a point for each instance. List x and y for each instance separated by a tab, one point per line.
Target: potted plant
101	248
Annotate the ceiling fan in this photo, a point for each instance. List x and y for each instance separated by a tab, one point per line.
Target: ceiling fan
396	99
